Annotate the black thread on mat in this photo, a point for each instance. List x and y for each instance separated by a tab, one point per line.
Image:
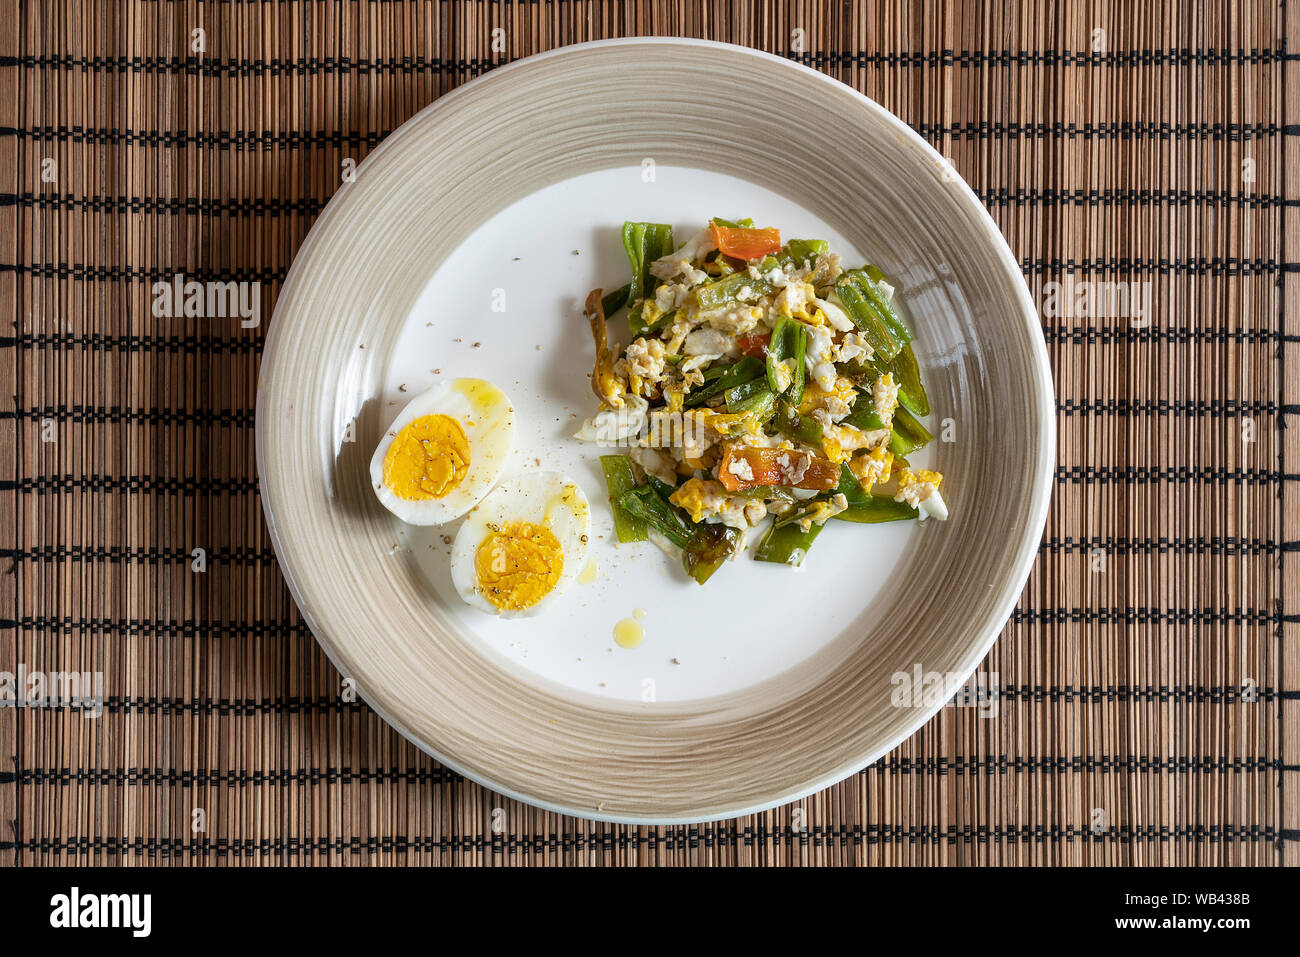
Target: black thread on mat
1155	475
158	628
265	206
956	766
1091	335
1160	545
1013	693
60	553
116	414
1195	266
310	66
247	140
672	838
1143	616
188	345
1194	408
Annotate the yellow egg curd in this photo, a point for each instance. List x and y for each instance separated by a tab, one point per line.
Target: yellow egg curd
428	458
518	564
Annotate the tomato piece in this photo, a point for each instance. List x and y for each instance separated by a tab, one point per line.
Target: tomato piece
746	244
755	346
762	466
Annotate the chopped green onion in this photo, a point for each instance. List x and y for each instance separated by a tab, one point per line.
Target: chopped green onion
619	479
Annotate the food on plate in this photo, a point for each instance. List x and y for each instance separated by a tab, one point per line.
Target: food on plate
764	385
444	452
520	547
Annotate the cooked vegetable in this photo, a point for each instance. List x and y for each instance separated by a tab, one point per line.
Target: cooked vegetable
620	480
748	466
785	360
746	244
764	386
644	243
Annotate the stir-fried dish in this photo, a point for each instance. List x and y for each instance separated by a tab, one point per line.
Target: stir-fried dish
763	385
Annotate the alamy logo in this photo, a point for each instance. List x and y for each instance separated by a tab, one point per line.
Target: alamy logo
1086	299
75	909
53	689
210	300
919	688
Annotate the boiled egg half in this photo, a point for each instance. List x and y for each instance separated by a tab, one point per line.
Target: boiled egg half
444	452
522	545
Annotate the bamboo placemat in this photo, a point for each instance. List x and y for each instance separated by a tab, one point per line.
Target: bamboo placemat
1148	677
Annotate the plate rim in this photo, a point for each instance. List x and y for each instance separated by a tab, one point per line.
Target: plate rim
1041	375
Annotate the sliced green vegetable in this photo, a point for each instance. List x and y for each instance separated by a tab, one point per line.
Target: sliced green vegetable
879	509
753	396
869	322
801	428
711	545
909	434
850	487
800	251
787	545
660	486
743	370
612	302
870	288
727	290
907	375
728	224
644	243
653	509
789	341
864	415
619	480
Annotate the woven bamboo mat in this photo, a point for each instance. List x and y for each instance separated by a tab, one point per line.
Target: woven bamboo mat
1148	676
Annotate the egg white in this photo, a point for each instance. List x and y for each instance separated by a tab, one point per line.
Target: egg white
488	419
536	496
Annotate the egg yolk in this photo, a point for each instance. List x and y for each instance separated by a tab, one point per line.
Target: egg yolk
518	564
428	458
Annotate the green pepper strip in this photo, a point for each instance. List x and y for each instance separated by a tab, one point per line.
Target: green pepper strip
612	302
867	319
705	546
745	370
879	509
644	243
870	288
619	480
801	428
799	251
911	393
727	289
789	341
787	545
909	434
755	396
728	224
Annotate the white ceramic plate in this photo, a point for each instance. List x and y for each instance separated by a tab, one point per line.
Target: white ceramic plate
466	246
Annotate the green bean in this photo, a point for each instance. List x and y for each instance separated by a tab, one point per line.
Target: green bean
619	480
789	341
